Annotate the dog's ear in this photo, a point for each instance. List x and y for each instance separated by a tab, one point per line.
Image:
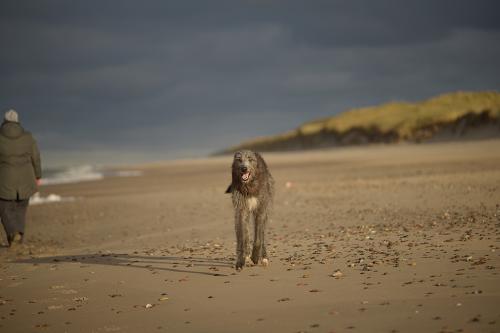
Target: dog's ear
261	161
229	189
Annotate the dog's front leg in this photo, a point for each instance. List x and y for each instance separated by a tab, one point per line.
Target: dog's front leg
241	225
259	247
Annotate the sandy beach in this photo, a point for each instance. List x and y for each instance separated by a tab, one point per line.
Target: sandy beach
396	238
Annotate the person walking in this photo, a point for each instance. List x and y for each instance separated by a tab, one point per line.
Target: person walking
20	174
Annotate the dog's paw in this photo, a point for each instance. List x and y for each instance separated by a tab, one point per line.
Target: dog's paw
265	262
248	261
240	263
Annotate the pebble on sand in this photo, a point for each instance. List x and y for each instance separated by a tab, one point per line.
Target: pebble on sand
337	274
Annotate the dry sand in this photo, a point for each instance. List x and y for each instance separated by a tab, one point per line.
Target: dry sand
373	239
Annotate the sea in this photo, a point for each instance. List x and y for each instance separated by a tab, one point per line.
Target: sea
82	173
75	174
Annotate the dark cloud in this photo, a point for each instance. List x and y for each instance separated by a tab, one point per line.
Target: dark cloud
165	78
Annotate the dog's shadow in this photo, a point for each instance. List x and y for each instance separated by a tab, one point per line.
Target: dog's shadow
188	265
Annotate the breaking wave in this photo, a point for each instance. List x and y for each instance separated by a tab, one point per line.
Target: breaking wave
37	199
83	173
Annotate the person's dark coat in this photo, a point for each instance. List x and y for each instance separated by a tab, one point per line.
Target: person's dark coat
19	162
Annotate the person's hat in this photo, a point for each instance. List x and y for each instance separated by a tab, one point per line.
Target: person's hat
12	115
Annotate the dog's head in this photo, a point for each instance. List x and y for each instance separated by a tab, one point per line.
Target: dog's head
245	164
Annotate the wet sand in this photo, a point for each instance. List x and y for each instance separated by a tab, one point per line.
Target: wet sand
401	238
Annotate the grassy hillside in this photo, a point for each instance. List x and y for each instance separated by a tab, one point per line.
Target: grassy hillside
390	122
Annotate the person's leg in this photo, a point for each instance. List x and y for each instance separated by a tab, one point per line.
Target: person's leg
14	219
2	218
7	215
21	208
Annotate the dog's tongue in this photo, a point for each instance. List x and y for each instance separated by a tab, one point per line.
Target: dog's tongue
245	176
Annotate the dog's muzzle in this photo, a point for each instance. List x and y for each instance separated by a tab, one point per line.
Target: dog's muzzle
245	177
245	174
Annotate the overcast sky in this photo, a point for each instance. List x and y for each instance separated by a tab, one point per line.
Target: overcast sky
125	81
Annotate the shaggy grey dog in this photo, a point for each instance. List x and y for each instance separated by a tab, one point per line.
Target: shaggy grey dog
252	190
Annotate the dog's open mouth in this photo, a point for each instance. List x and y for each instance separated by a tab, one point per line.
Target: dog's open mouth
245	177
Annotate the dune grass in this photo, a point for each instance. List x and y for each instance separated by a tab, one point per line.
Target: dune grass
401	118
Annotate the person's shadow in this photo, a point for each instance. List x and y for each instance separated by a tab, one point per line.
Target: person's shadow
191	265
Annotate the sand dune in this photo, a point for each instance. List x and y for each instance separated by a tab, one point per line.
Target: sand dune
371	239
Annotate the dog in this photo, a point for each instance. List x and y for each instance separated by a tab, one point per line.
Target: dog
252	192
